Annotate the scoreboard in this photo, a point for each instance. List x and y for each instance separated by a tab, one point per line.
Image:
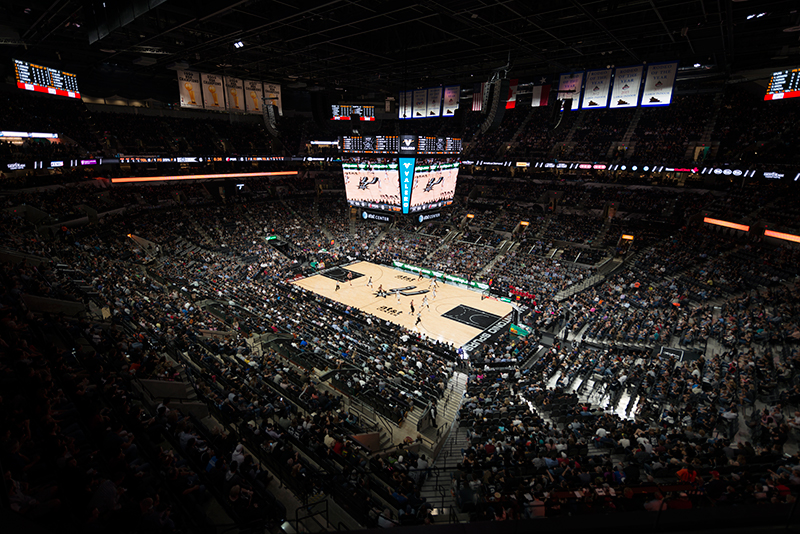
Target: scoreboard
342	112
369	144
390	144
783	84
32	77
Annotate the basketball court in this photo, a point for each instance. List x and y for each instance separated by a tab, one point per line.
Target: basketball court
455	315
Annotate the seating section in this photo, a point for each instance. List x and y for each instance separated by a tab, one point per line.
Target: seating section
655	374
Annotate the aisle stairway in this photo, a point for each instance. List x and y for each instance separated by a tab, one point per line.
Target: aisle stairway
437	487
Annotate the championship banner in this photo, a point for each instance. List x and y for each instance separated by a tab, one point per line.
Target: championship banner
404	105
451	95
540	93
419	104
272	92
569	86
234	93
625	92
190	89
659	84
213	91
434	105
477	96
598	84
253	97
511	103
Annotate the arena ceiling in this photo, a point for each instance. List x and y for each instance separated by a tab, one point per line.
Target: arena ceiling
376	47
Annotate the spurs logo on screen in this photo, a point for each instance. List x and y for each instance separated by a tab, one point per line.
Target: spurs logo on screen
407	142
365	182
373	182
433	182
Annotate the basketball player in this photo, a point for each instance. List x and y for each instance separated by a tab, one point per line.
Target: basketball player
398	295
369	282
337	287
412	306
434	293
381	292
419	318
425	302
350	278
420	276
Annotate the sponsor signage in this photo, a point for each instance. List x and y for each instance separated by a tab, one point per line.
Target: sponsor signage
438	274
370	216
406	167
408	144
15	166
31	135
428	216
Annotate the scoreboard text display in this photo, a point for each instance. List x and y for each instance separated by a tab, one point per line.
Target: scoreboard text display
342	112
783	84
32	77
392	144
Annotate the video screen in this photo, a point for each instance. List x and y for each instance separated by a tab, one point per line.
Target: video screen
32	77
784	84
434	183
371	182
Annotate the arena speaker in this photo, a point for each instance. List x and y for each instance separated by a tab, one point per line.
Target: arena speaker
497	109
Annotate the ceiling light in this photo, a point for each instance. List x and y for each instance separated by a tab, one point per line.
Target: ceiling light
238	44
697	65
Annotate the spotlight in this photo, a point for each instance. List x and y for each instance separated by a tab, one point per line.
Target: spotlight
238	44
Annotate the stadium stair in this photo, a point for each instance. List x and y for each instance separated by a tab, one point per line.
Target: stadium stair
437	487
543	227
489	266
626	139
378	239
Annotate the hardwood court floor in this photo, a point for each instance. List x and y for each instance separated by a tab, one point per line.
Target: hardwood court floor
433	323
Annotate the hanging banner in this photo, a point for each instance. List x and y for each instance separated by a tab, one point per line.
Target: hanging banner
659	84
451	95
234	93
625	92
477	96
190	89
213	91
404	105
434	105
253	96
419	103
569	87
511	103
272	93
540	93
598	84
